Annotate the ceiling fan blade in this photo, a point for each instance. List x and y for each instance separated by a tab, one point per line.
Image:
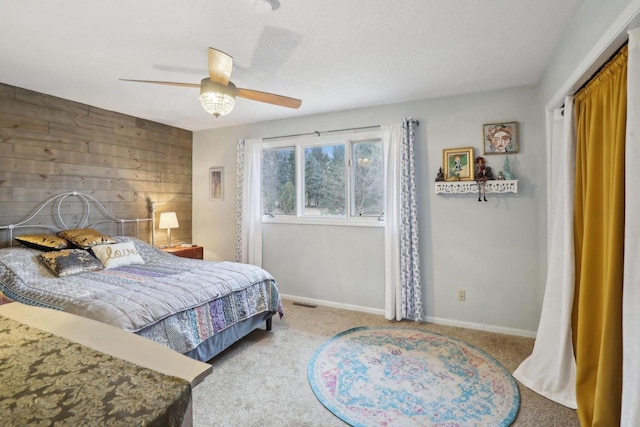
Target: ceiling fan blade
197	85
220	65
270	98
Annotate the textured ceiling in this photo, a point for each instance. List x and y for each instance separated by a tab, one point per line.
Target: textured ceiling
332	54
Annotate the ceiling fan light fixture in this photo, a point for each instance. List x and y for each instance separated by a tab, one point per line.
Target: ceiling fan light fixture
217	99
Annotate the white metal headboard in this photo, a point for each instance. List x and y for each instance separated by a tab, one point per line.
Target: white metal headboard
83	222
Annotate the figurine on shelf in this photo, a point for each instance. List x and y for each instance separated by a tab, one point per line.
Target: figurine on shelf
457	167
489	173
482	175
507	169
440	176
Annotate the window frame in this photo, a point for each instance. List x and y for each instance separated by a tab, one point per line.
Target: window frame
300	144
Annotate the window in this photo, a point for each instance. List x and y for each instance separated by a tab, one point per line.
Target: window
279	181
324	180
368	179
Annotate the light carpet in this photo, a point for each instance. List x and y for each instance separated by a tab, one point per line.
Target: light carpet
408	377
262	380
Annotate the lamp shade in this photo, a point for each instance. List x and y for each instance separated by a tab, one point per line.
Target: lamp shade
217	99
168	220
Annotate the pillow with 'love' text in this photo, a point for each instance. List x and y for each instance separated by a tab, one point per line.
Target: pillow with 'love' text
117	254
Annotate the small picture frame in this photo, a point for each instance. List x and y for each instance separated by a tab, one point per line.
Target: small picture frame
458	164
216	183
500	138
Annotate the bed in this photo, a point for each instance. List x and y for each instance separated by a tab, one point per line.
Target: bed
195	307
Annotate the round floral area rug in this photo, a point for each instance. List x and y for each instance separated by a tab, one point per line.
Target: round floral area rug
409	377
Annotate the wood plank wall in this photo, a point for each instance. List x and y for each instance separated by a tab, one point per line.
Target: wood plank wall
51	145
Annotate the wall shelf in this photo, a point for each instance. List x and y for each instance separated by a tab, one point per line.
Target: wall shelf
463	187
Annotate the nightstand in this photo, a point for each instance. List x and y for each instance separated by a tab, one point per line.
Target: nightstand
196	252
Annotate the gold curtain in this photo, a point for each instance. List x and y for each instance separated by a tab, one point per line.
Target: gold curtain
600	110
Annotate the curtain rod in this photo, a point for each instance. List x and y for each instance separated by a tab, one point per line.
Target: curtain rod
594	75
318	133
597	72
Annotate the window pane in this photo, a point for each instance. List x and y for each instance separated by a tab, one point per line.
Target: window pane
368	175
279	181
324	180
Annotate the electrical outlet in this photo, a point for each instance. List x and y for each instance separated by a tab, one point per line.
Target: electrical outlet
462	295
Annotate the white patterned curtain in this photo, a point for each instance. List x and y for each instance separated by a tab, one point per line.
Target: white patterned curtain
403	289
630	415
551	368
248	202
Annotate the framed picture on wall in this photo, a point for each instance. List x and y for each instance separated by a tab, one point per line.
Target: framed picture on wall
458	164
216	183
500	138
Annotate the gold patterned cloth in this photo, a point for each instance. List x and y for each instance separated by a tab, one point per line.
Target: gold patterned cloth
47	380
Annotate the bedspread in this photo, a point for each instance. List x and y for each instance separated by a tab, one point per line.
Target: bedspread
178	302
141	304
50	380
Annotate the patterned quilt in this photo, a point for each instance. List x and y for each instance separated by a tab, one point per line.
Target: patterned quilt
178	302
48	380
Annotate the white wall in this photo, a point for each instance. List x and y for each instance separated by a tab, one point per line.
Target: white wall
489	248
331	264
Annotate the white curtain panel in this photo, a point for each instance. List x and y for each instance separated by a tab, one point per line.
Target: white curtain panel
249	215
391	136
631	294
551	369
403	292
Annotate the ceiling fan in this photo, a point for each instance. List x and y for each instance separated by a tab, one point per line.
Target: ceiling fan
218	94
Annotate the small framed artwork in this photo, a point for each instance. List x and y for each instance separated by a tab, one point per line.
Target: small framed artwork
500	138
458	164
216	183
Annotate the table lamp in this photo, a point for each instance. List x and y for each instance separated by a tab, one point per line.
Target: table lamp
168	220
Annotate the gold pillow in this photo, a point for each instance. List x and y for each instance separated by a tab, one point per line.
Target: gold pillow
85	237
43	242
68	262
71	232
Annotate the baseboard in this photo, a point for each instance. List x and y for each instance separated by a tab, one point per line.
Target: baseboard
332	304
437	320
482	327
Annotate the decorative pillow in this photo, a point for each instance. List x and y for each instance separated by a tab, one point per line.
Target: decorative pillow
117	255
85	237
44	242
68	262
71	232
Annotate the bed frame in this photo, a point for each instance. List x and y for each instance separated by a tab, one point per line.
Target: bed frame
206	350
87	202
